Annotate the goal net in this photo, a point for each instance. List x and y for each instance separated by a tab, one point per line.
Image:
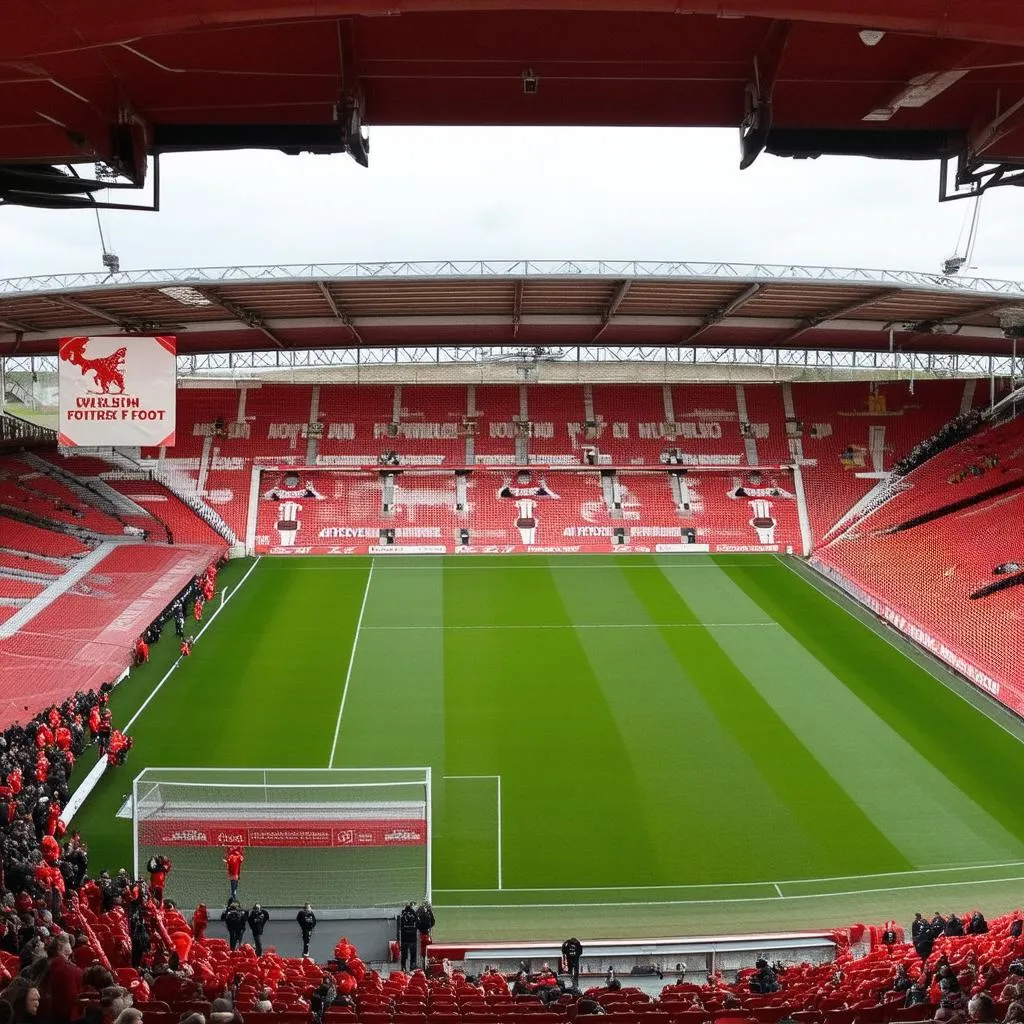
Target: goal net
338	838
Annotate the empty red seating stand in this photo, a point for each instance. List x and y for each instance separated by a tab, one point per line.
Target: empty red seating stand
924	576
857	432
79	583
496	408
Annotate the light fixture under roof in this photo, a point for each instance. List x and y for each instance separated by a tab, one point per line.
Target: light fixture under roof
186	295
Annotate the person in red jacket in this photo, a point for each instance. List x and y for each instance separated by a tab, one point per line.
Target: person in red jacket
94	722
44	736
53	817
200	919
62	737
234	861
117	749
42	767
159	867
186	646
64	981
141	651
51	881
197	609
50	848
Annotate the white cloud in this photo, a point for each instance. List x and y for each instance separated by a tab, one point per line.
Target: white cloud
503	193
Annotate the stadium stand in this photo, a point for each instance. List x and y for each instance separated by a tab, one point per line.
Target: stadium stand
612	426
729	488
940	554
87	562
855	433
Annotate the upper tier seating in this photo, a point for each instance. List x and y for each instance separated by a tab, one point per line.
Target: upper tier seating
937	551
857	432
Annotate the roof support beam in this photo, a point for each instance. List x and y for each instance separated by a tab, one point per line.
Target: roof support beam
17	326
741	299
84	307
127	325
986	309
244	316
757	120
809	323
517	306
1006	123
613	307
338	313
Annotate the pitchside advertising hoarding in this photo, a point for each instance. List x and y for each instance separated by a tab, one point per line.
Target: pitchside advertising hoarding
117	391
230	832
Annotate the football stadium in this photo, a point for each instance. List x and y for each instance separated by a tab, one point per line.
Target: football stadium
465	642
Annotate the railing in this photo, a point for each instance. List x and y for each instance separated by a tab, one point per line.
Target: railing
405	270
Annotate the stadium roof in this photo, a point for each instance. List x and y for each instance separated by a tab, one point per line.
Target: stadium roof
519	304
115	81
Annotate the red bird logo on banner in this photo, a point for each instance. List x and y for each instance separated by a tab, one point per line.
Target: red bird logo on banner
107	371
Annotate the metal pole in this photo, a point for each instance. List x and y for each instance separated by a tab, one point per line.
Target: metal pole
135	827
430	836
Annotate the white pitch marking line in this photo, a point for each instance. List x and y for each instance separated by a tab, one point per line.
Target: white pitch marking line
498	779
760	882
206	626
739	899
591	625
351	662
778	890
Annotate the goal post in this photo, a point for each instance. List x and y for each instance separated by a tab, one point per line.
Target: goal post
339	838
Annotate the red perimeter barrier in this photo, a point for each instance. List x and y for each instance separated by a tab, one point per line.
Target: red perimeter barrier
225	832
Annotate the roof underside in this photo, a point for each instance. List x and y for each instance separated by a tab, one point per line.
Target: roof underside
521	305
113	81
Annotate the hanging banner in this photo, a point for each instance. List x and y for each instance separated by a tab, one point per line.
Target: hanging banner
117	391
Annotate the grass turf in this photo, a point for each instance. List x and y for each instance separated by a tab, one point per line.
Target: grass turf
684	744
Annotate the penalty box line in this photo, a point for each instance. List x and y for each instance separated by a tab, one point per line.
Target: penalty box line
496	778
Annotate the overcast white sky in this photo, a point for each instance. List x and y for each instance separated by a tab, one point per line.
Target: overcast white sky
506	193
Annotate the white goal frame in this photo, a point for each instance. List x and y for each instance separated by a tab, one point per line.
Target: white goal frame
352	780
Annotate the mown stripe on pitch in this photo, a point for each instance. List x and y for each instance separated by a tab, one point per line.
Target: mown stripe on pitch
525	704
964	744
706	797
903	793
394	714
838	836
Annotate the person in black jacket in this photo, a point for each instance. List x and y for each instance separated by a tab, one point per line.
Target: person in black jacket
408	929
140	940
234	917
978	925
424	922
572	950
307	922
258	918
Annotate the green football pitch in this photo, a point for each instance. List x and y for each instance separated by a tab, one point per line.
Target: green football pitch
683	744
